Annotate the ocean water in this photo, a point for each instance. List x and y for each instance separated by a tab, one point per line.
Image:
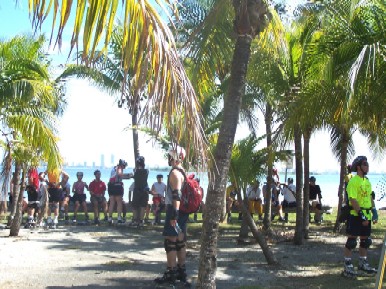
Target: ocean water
328	182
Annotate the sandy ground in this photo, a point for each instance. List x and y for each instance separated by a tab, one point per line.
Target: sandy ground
124	257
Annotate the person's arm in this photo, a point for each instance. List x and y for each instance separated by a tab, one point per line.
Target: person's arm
86	186
91	189
153	191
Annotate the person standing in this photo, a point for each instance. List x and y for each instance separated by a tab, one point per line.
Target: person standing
362	213
202	205
43	199
175	223
115	189
97	191
54	193
230	201
158	190
316	199
140	192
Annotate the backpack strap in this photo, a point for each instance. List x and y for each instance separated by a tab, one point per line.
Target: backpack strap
181	171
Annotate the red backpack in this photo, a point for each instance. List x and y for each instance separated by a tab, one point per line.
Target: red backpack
191	194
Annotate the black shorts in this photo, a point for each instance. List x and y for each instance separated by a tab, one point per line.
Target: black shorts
170	231
79	198
33	206
285	204
115	189
140	198
54	194
355	227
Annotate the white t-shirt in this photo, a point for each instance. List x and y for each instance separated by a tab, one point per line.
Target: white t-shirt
160	188
288	195
253	193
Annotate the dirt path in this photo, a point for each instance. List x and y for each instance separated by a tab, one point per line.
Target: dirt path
123	257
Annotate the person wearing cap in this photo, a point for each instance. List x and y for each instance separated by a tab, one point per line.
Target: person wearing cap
362	214
316	199
97	191
175	222
79	197
158	190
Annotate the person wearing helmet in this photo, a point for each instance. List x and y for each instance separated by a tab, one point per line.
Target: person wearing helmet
140	192
115	189
175	222
315	200
362	212
97	191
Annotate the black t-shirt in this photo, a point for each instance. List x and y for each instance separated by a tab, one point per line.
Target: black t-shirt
315	191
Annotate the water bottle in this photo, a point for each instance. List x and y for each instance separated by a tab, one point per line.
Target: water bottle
178	229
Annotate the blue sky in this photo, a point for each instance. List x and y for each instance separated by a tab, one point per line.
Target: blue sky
93	124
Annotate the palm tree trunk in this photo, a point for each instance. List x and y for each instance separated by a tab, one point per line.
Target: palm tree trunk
15	191
222	156
15	226
298	240
134	122
259	237
306	207
268	196
343	164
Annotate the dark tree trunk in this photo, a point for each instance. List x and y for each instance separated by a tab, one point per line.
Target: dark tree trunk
15	226
249	20
306	219
298	240
268	196
244	229
222	155
15	190
134	122
259	237
343	165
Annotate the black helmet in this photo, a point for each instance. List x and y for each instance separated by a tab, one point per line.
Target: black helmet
140	161
122	163
97	172
312	179
357	162
160	176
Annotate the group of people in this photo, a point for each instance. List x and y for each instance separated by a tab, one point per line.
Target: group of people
257	198
49	193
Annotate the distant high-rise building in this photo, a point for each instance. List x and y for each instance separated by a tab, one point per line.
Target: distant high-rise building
85	164
112	159
93	164
102	160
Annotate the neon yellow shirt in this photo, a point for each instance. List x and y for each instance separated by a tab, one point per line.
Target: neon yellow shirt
360	189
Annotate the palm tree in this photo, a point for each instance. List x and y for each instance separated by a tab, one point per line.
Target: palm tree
29	103
148	48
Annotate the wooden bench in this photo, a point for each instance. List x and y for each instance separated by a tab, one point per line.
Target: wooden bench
325	210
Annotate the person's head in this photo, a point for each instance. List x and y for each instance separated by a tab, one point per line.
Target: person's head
198	180
159	178
42	176
312	180
140	162
360	165
290	180
97	174
79	175
274	172
176	155
122	163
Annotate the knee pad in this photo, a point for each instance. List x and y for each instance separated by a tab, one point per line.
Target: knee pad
365	243
169	245
180	244
351	243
